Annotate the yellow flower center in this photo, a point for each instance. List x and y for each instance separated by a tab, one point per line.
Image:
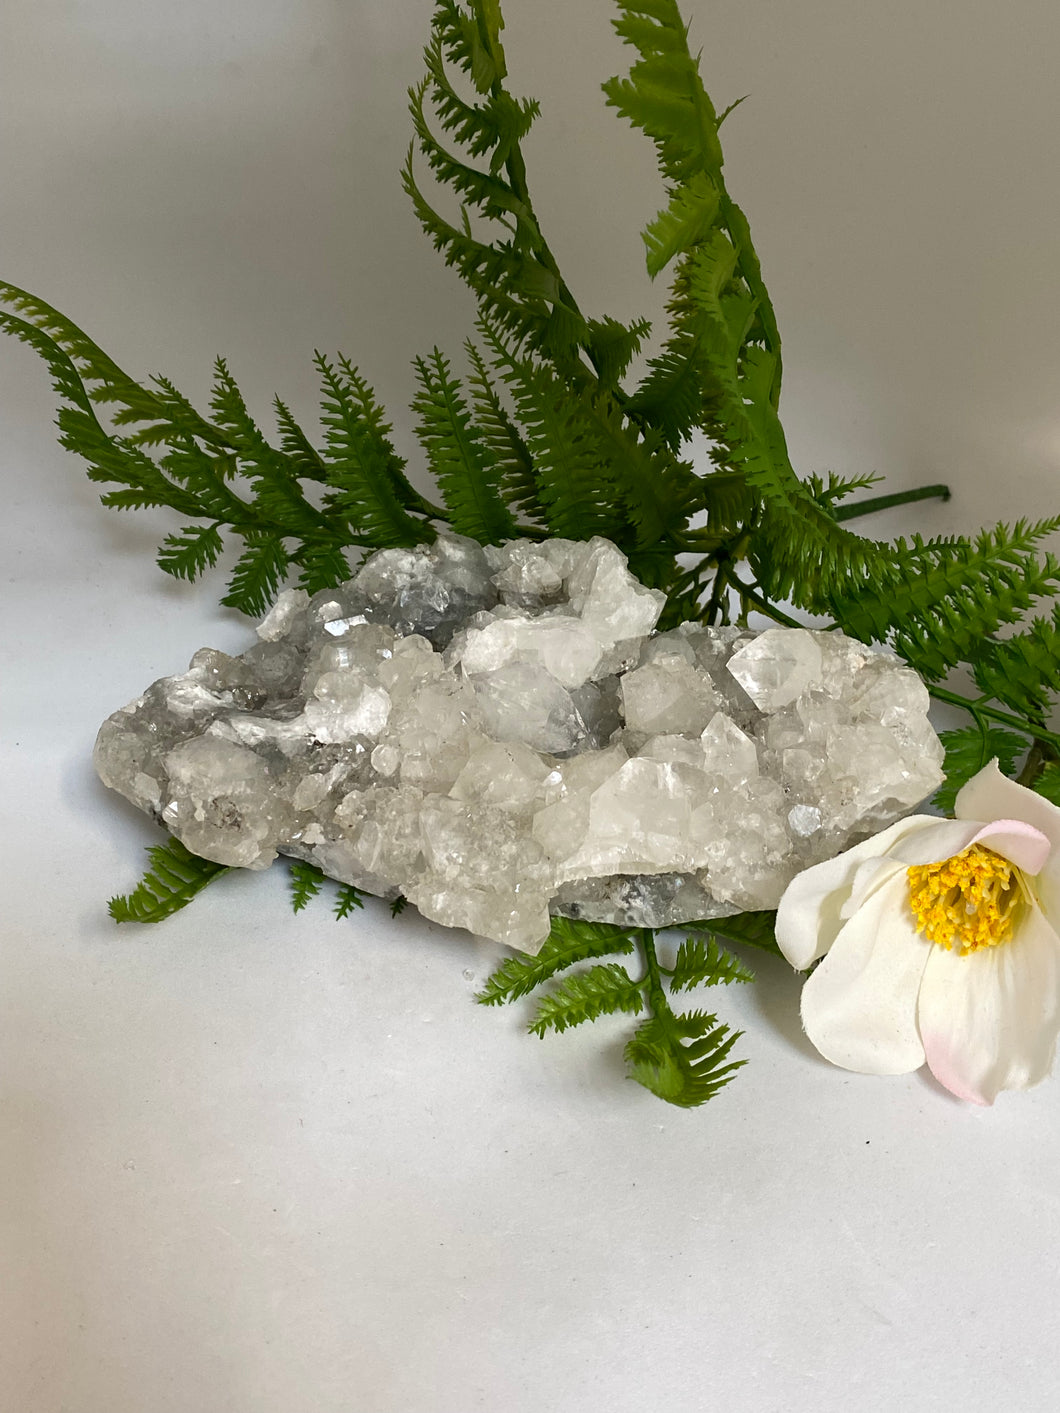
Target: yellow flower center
967	902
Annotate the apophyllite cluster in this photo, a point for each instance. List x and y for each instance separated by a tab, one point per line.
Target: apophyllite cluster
500	734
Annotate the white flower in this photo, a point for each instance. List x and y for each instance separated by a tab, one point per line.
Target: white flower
939	939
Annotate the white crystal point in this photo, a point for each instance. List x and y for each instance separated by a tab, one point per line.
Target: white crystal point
605	594
639	822
504	773
777	667
346	704
563	647
728	751
213	804
280	617
668	694
496	734
531	574
521	702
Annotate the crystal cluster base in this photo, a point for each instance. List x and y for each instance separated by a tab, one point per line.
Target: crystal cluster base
499	733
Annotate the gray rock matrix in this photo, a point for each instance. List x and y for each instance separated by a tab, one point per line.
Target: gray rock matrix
499	733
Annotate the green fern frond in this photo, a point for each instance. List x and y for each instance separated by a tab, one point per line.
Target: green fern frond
596	472
656	489
101	378
688	220
829	492
494	124
191	552
568	942
664	96
967	751
398	906
585	996
1048	782
939	602
277	495
322	565
371	491
306	882
347	900
258	574
1023	670
458	455
174	878
612	346
297	447
577	497
683	1059
507	449
700	963
753	929
512	272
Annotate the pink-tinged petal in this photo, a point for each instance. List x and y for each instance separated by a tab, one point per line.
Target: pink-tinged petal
989	1021
859	1006
810	912
991	795
1022	844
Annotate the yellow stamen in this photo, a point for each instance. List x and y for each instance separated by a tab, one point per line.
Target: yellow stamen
967	902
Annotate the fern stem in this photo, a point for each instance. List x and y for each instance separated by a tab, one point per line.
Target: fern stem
874	503
977	709
653	978
717	593
763	605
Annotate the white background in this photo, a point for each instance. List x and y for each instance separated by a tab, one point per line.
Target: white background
253	1163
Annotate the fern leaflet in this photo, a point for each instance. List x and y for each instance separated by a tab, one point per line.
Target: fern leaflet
174	878
585	996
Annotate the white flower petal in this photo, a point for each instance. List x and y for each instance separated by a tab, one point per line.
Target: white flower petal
810	912
1020	843
940	839
859	1006
989	1021
991	795
870	875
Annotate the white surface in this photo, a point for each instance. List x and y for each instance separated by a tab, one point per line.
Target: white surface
252	1163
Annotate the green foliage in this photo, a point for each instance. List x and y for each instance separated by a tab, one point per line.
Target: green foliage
683	1059
755	929
459	456
1048	782
173	879
1023	670
371	493
704	963
939	602
221	472
585	995
306	883
346	900
968	750
568	943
